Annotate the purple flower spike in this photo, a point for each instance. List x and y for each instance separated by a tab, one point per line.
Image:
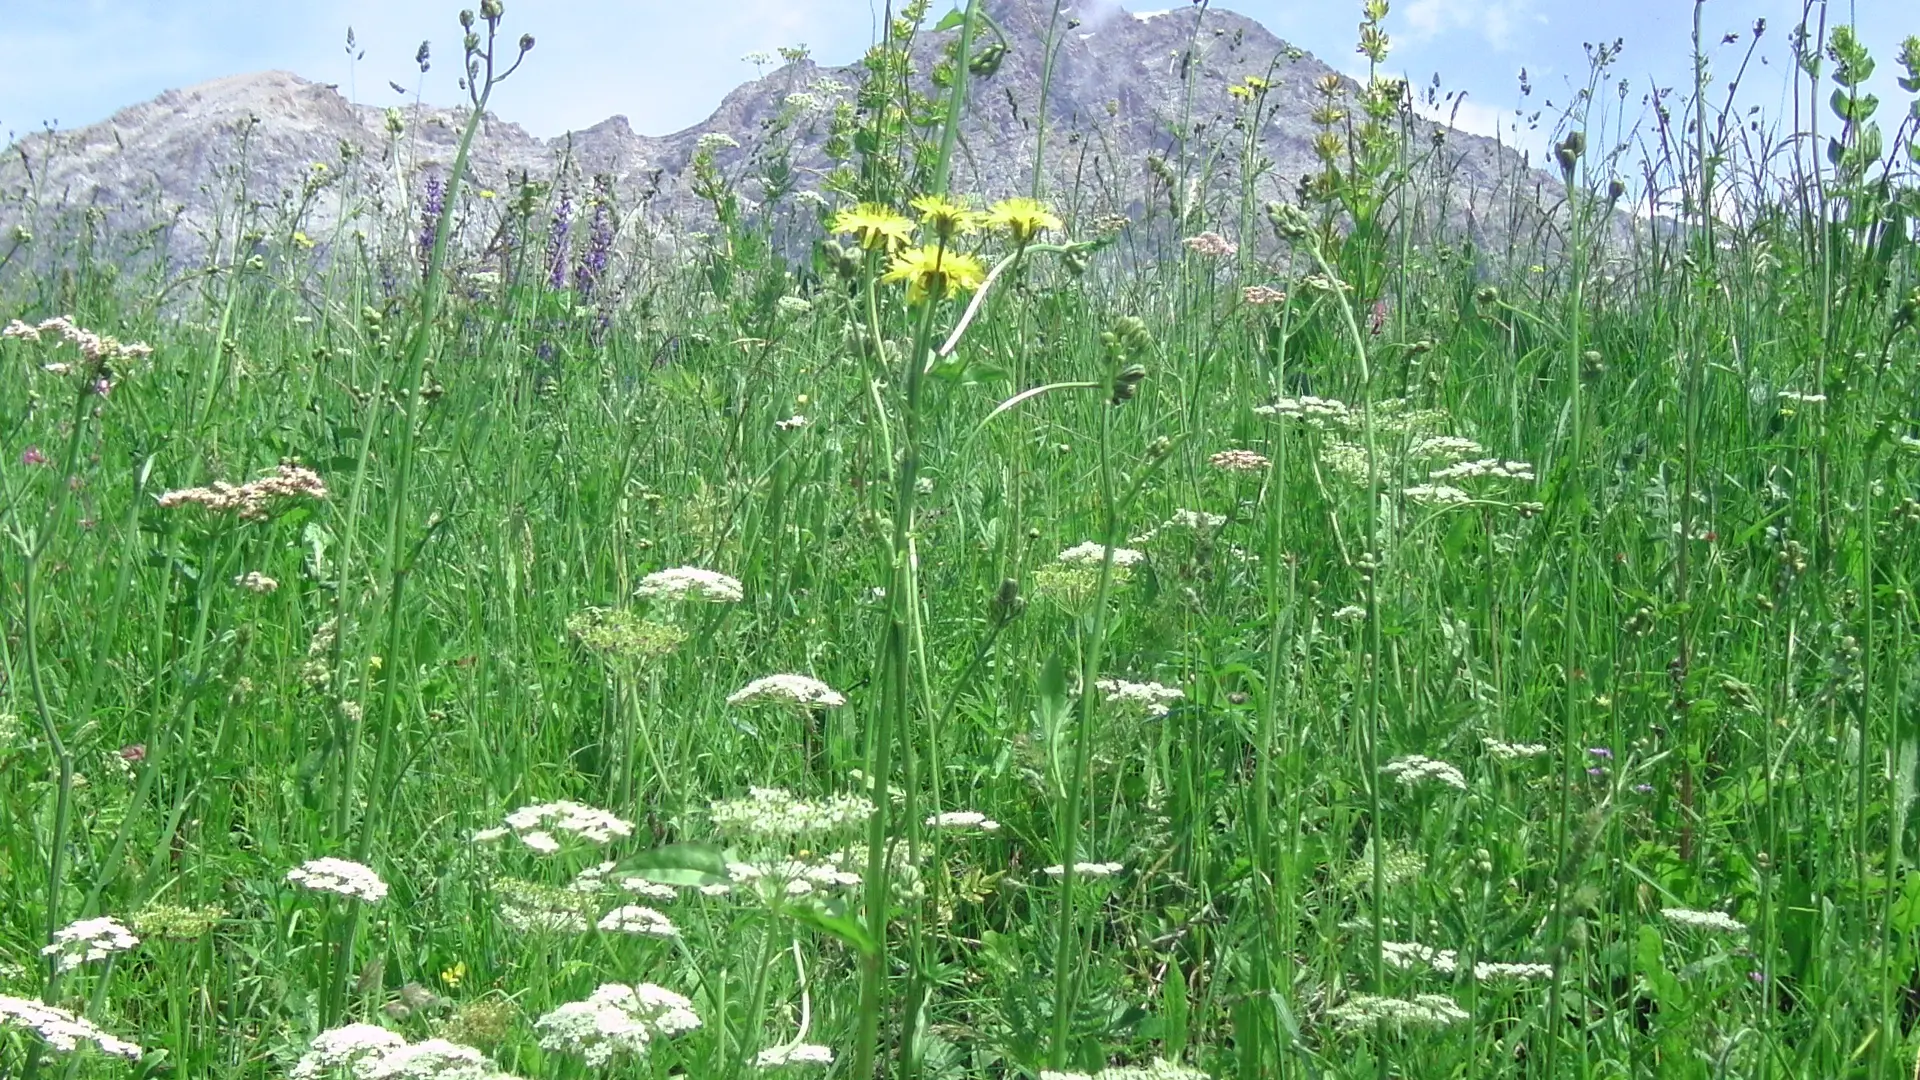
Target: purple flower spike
1601	752
559	242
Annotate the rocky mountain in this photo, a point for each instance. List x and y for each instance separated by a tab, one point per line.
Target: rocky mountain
271	152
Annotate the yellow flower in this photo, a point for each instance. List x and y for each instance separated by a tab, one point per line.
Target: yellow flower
455	974
946	218
303	241
936	272
876	226
487	193
1023	218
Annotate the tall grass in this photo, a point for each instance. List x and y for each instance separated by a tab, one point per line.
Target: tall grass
1492	657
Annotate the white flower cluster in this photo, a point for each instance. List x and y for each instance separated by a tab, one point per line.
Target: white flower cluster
775	813
1455	447
1352	613
1717	922
1410	954
1416	768
1489	972
1239	461
1425	1010
1093	553
1147	699
1506	751
793	877
1156	1070
787	690
342	876
797	420
536	825
616	1019
1086	869
799	1053
648	890
1437	495
532	908
963	821
1198	521
635	919
1482	467
60	1029
89	939
368	1052
716	140
690	583
1801	397
1318	412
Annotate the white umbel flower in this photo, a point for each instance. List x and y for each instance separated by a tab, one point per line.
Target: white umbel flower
342	876
1093	553
1410	954
1416	769
636	919
1488	971
616	1019
1438	495
1425	1010
1086	869
536	824
1146	698
774	1057
434	1059
963	821
1319	412
1717	922
345	1048
89	939
775	813
61	1030
1484	467
690	583
799	690
1506	751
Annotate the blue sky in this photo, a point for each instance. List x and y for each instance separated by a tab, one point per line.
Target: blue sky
665	63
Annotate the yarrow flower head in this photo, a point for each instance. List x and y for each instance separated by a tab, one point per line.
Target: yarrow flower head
348	1047
1487	971
1317	412
536	825
256	582
1147	699
1506	751
61	1030
1023	219
1717	922
1416	769
1238	461
1093	553
776	814
787	690
1086	869
616	1019
1406	955
341	876
255	499
1484	467
875	226
1211	245
1425	1011
636	919
690	583
799	1053
1262	295
963	821
434	1059
101	356
89	939
935	272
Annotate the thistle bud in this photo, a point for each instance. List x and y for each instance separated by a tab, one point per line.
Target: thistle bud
526	43
466	20
1007	602
1615	189
491	10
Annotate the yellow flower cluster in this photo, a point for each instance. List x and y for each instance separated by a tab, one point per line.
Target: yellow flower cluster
934	270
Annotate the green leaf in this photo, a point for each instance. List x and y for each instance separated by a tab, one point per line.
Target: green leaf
836	922
1854	108
680	864
951	21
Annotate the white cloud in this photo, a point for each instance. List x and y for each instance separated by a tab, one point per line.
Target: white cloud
1498	22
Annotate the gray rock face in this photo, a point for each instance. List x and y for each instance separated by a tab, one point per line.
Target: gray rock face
196	168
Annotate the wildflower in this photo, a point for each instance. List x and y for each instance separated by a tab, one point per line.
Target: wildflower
1352	613
635	919
174	921
787	690
532	908
1211	245
793	1054
875	226
649	890
615	1019
89	939
793	423
255	499
944	217
1437	495
1506	751
33	455
963	820
1092	554
342	876
535	824
1445	446
716	140
1319	412
774	813
434	1059
1023	219
935	272
355	1047
1238	461
1426	1010
1156	1070
1149	698
1714	921
690	583
1086	869
1484	467
794	305
1802	398
256	582
1487	972
1262	295
1600	752
61	1030
1415	768
617	633
1408	954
